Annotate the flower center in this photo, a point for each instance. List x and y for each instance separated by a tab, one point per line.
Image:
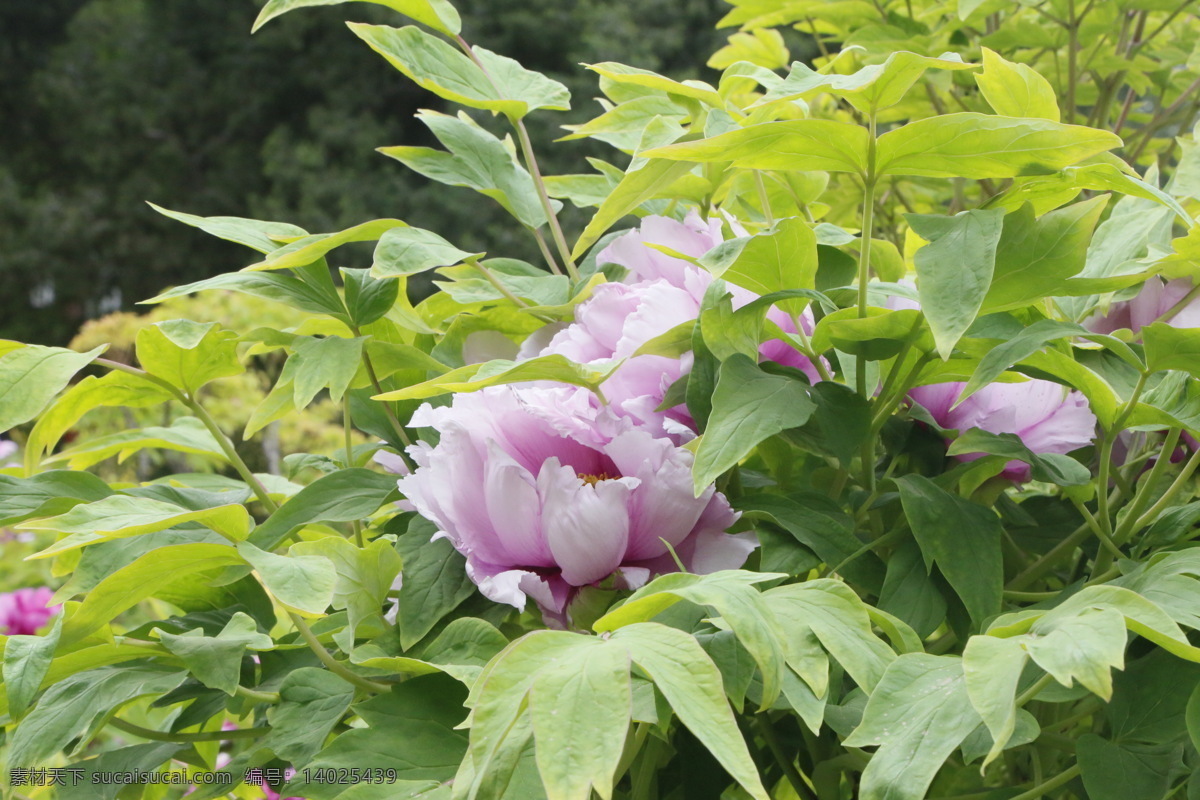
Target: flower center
593	479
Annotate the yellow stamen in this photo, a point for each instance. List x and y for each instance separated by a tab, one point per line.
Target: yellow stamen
594	479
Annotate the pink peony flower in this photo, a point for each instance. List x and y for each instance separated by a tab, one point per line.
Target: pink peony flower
24	611
1046	417
613	324
8	448
543	492
660	293
1154	300
693	237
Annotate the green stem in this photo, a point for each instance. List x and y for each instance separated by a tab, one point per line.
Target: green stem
864	256
545	248
1072	56
335	666
401	434
502	289
1176	486
1047	561
763	199
1142	498
799	785
231	453
806	348
1033	691
256	696
1104	537
204	736
556	232
1138	45
518	124
347	427
1061	779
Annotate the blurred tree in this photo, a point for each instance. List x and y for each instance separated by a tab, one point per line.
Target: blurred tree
109	103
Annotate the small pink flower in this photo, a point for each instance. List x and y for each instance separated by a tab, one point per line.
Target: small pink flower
544	492
1046	417
25	611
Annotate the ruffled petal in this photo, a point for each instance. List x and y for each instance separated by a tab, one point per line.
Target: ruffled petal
586	525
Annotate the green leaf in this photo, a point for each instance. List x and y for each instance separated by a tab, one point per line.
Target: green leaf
461	650
805	144
909	593
580	709
474	377
145	577
823	527
113	389
918	715
955	269
303	583
496	84
635	188
1049	467
312	701
633	76
364	576
435	581
1081	647
878	336
121	516
188	354
341	496
1015	90
255	234
829	612
26	661
1168	347
970	145
76	708
1016	349
31	375
732	594
324	363
992	668
499	700
1035	257
311	249
280	288
368	299
136	758
962	538
840	425
685	675
476	160
872	88
1113	771
437	14
185	435
783	258
216	661
411	729
47	494
749	405
408	251
1150	699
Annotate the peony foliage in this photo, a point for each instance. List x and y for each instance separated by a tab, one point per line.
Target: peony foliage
847	450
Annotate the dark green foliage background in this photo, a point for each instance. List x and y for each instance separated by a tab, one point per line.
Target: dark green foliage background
105	104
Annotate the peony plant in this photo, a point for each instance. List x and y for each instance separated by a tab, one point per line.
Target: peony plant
848	450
